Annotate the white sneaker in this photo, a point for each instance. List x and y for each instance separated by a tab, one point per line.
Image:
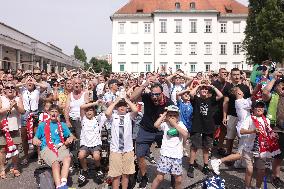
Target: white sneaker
215	164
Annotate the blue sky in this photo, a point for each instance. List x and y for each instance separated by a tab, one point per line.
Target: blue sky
65	23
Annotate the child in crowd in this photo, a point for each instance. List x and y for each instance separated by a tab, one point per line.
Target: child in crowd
259	144
204	107
50	136
90	140
175	132
243	107
121	160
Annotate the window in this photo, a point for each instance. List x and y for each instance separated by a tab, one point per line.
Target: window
192	48
121	48
163	66
134	27
223	48
147	66
236	27
178	26
208	48
207	66
208	26
178	50
192	67
236	65
134	48
177	5
134	67
178	65
147	48
121	66
192	24
147	27
163	26
223	65
163	47
192	5
121	28
223	27
236	48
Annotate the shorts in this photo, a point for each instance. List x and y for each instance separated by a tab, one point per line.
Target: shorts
144	141
201	140
169	165
24	117
281	146
232	127
16	136
250	160
50	157
121	164
90	150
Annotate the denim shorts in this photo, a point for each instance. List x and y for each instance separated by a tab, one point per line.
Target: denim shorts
169	165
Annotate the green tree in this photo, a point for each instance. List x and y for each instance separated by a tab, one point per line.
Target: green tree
100	65
265	31
80	55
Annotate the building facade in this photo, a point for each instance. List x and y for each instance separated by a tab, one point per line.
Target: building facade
192	35
21	51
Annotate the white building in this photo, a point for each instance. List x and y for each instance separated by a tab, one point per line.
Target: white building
194	35
19	50
107	58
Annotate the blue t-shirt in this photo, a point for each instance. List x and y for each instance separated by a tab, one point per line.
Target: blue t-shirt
54	133
185	114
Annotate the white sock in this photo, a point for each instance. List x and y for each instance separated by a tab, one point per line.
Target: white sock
63	181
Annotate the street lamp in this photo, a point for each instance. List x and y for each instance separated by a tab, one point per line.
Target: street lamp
34	44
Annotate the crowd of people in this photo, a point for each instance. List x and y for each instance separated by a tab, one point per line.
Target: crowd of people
47	112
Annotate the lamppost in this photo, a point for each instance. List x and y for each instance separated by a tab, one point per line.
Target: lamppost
34	44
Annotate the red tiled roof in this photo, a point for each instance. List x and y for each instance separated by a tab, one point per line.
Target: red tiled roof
149	6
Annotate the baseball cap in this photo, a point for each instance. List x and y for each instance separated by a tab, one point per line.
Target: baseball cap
112	81
122	102
172	108
258	103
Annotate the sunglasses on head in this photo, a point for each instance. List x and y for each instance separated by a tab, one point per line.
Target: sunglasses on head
155	94
10	87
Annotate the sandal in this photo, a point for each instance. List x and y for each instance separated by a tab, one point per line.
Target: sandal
15	172
3	175
40	162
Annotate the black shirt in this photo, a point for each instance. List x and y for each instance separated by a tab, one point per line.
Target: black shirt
152	112
227	93
218	117
203	114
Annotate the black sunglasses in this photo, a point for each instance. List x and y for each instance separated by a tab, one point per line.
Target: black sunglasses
156	94
10	87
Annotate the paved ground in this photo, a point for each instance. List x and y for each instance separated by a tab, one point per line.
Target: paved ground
234	177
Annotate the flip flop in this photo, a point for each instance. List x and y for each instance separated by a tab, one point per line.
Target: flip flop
3	175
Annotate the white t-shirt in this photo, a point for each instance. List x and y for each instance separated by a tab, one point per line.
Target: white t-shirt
100	89
30	99
174	90
110	97
243	107
14	119
249	139
172	146
91	132
127	137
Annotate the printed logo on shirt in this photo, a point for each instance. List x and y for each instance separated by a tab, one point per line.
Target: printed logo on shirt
204	109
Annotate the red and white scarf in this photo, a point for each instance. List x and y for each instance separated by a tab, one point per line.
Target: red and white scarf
44	117
267	140
30	129
11	148
47	133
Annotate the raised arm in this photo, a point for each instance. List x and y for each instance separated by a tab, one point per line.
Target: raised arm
111	107
87	105
160	120
225	109
66	110
133	108
219	94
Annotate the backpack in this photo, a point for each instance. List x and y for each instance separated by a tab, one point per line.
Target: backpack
44	178
214	182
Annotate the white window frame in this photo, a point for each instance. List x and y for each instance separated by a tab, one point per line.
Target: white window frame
121	48
134	27
134	48
191	66
178	48
223	63
192	48
193	26
237	65
163	64
147	48
208	26
237	27
147	27
147	66
163	26
163	48
223	27
208	48
121	64
136	66
223	48
121	27
178	65
207	66
178	25
237	48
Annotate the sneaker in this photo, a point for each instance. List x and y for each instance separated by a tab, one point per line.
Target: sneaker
144	182
215	164
190	171
277	183
63	186
82	179
206	170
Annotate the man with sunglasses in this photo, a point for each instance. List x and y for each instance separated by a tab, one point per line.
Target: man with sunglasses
110	96
154	105
276	116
